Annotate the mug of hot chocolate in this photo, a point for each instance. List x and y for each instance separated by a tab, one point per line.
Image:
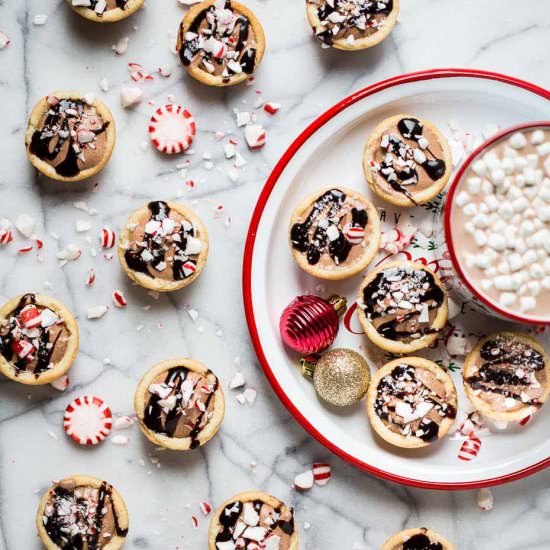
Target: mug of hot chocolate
495	230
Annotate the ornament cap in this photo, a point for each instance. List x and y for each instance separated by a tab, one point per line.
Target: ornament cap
308	364
339	303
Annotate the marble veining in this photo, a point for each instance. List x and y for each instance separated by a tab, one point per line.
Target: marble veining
163	490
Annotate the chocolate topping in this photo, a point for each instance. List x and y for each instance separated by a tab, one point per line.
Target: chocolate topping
256	522
403	155
413	402
510	368
334	226
70	136
421	542
402	303
101	6
350	19
165	245
181	403
33	338
221	41
81	517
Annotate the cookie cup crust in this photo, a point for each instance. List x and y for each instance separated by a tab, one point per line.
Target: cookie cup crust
28	378
363	43
174	443
155	283
370	251
214	80
248	496
409	442
80	480
33	124
392	345
399	538
482	406
111	16
421	197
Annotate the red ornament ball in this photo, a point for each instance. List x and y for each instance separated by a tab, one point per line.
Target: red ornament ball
310	324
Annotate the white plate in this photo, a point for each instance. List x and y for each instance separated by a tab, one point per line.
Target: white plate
329	153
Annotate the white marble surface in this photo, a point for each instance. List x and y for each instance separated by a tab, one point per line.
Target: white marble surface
354	510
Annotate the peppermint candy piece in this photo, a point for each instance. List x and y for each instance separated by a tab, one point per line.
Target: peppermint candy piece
23	349
321	473
469	448
30	316
172	129
119	299
107	238
88	420
354	235
255	136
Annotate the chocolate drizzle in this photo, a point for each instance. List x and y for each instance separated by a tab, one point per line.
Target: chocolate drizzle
401	302
14	335
223	40
344	18
399	167
75	522
233	527
312	237
152	251
159	421
66	131
509	368
122	4
405	386
421	542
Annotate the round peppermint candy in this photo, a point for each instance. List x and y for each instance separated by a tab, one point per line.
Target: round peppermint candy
88	420
354	235
172	129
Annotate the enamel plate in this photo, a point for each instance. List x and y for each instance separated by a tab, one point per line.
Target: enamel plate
329	153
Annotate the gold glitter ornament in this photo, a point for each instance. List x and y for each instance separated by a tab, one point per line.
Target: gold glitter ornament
341	377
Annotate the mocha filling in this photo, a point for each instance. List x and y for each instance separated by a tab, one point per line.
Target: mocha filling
255	522
509	369
350	18
81	518
221	41
35	349
402	303
181	403
165	246
71	137
413	402
402	160
330	225
421	542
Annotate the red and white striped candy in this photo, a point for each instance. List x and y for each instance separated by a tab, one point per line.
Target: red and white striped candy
469	448
354	235
22	348
88	420
321	473
25	249
119	299
91	277
255	136
189	268
30	316
6	236
206	508
172	129
195	522
272	108
107	238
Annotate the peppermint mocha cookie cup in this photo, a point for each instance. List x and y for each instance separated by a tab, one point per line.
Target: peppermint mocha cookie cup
352	24
412	539
507	376
38	339
163	246
411	402
70	137
179	404
257	514
407	160
221	42
81	510
105	11
334	233
402	306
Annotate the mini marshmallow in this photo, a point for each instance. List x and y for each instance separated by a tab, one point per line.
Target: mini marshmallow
507	299
515	261
470	210
544	149
506	210
479	167
492	203
496	241
534	288
497	176
527	303
537	137
462	199
537	271
481	220
529	257
518	140
503	282
480	238
474	185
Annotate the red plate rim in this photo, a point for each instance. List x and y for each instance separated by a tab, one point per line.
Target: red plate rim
516	317
249	252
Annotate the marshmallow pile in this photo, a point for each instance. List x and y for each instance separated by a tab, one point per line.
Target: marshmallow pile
507	201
